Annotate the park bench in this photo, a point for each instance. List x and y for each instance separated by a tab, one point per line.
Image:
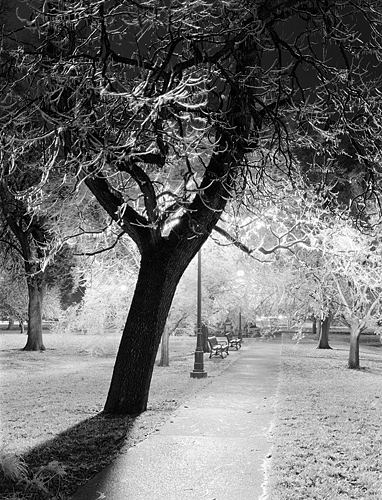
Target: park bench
233	341
217	348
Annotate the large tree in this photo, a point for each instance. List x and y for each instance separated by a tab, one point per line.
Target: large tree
168	110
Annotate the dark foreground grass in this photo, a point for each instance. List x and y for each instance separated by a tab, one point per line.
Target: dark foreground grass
328	438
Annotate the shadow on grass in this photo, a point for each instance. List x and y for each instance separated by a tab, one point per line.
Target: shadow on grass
372	366
367	349
58	467
320	353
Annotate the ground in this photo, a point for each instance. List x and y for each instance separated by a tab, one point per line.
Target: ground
326	442
51	402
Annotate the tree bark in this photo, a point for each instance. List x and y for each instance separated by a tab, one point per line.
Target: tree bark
353	362
165	349
35	295
323	340
159	274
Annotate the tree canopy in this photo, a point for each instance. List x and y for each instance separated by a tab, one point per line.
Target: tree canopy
168	110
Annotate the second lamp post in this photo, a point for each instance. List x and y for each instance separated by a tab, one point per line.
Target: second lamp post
198	371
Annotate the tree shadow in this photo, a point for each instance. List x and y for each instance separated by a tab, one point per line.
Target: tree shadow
316	353
59	466
366	351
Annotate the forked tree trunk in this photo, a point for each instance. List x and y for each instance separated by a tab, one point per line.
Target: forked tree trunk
155	288
165	349
355	333
35	296
323	340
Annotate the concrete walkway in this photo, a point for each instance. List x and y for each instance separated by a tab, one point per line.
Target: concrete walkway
212	447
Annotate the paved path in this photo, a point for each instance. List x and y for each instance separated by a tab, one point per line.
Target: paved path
213	447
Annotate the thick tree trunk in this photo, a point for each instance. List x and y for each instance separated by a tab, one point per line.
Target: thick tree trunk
35	295
165	349
323	340
355	333
155	288
11	322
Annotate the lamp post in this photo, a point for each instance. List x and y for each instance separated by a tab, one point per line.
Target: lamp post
240	273
240	333
198	371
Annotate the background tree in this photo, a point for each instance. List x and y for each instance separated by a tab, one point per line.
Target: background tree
33	237
354	260
29	236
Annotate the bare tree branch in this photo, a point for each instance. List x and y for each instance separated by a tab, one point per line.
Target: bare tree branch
114	204
250	251
102	250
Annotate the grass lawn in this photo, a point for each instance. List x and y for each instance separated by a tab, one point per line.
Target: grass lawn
51	402
327	442
328	438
